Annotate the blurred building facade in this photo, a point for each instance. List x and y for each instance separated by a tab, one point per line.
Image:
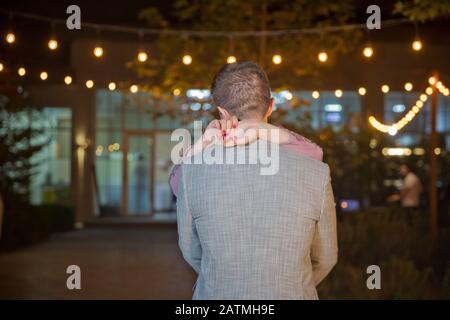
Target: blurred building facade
109	156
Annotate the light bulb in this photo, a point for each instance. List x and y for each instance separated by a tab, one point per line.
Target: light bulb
142	56
1	67
187	59
67	80
89	84
362	91
338	93
52	44
417	45
408	86
315	94
43	75
176	92
21	71
277	59
134	88
368	51
98	52
112	86
10	37
322	56
231	59
385	88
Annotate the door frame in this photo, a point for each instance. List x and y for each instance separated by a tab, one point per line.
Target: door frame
126	134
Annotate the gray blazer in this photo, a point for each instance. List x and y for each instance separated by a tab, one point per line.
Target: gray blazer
253	236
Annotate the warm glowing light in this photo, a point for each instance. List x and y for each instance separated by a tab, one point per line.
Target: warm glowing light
43	75
89	84
52	44
1	67
134	88
21	71
392	131
277	59
431	80
288	96
231	59
68	80
408	86
142	56
417	45
423	97
112	86
338	93
368	51
98	52
437	151
315	94
187	59
385	88
10	37
399	152
176	92
362	91
322	56
419	104
429	90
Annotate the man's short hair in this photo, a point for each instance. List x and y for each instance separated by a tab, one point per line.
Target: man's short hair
242	88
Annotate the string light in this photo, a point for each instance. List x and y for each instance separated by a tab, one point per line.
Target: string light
322	56
176	92
52	44
408	86
338	93
315	94
10	37
142	56
432	80
362	91
277	59
368	51
394	128
43	75
89	84
112	86
1	67
187	59
98	52
231	59
134	88
67	80
417	44
21	71
385	88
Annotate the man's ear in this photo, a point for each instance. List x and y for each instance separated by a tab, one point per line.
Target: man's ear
270	109
224	114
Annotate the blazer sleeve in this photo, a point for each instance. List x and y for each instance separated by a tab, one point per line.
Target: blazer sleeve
188	239
324	248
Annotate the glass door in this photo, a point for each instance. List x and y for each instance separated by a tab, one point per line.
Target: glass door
137	175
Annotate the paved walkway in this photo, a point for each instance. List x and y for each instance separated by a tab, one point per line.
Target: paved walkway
117	262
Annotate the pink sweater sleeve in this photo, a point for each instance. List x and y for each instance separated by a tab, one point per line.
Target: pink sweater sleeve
298	143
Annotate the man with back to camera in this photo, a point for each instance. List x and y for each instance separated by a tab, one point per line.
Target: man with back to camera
253	236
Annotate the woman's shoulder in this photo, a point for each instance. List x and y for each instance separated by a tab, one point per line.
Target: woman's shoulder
303	145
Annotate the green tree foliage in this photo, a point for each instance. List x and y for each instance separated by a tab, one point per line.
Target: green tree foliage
20	139
164	71
423	10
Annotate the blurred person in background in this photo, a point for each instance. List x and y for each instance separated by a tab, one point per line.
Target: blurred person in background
409	195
